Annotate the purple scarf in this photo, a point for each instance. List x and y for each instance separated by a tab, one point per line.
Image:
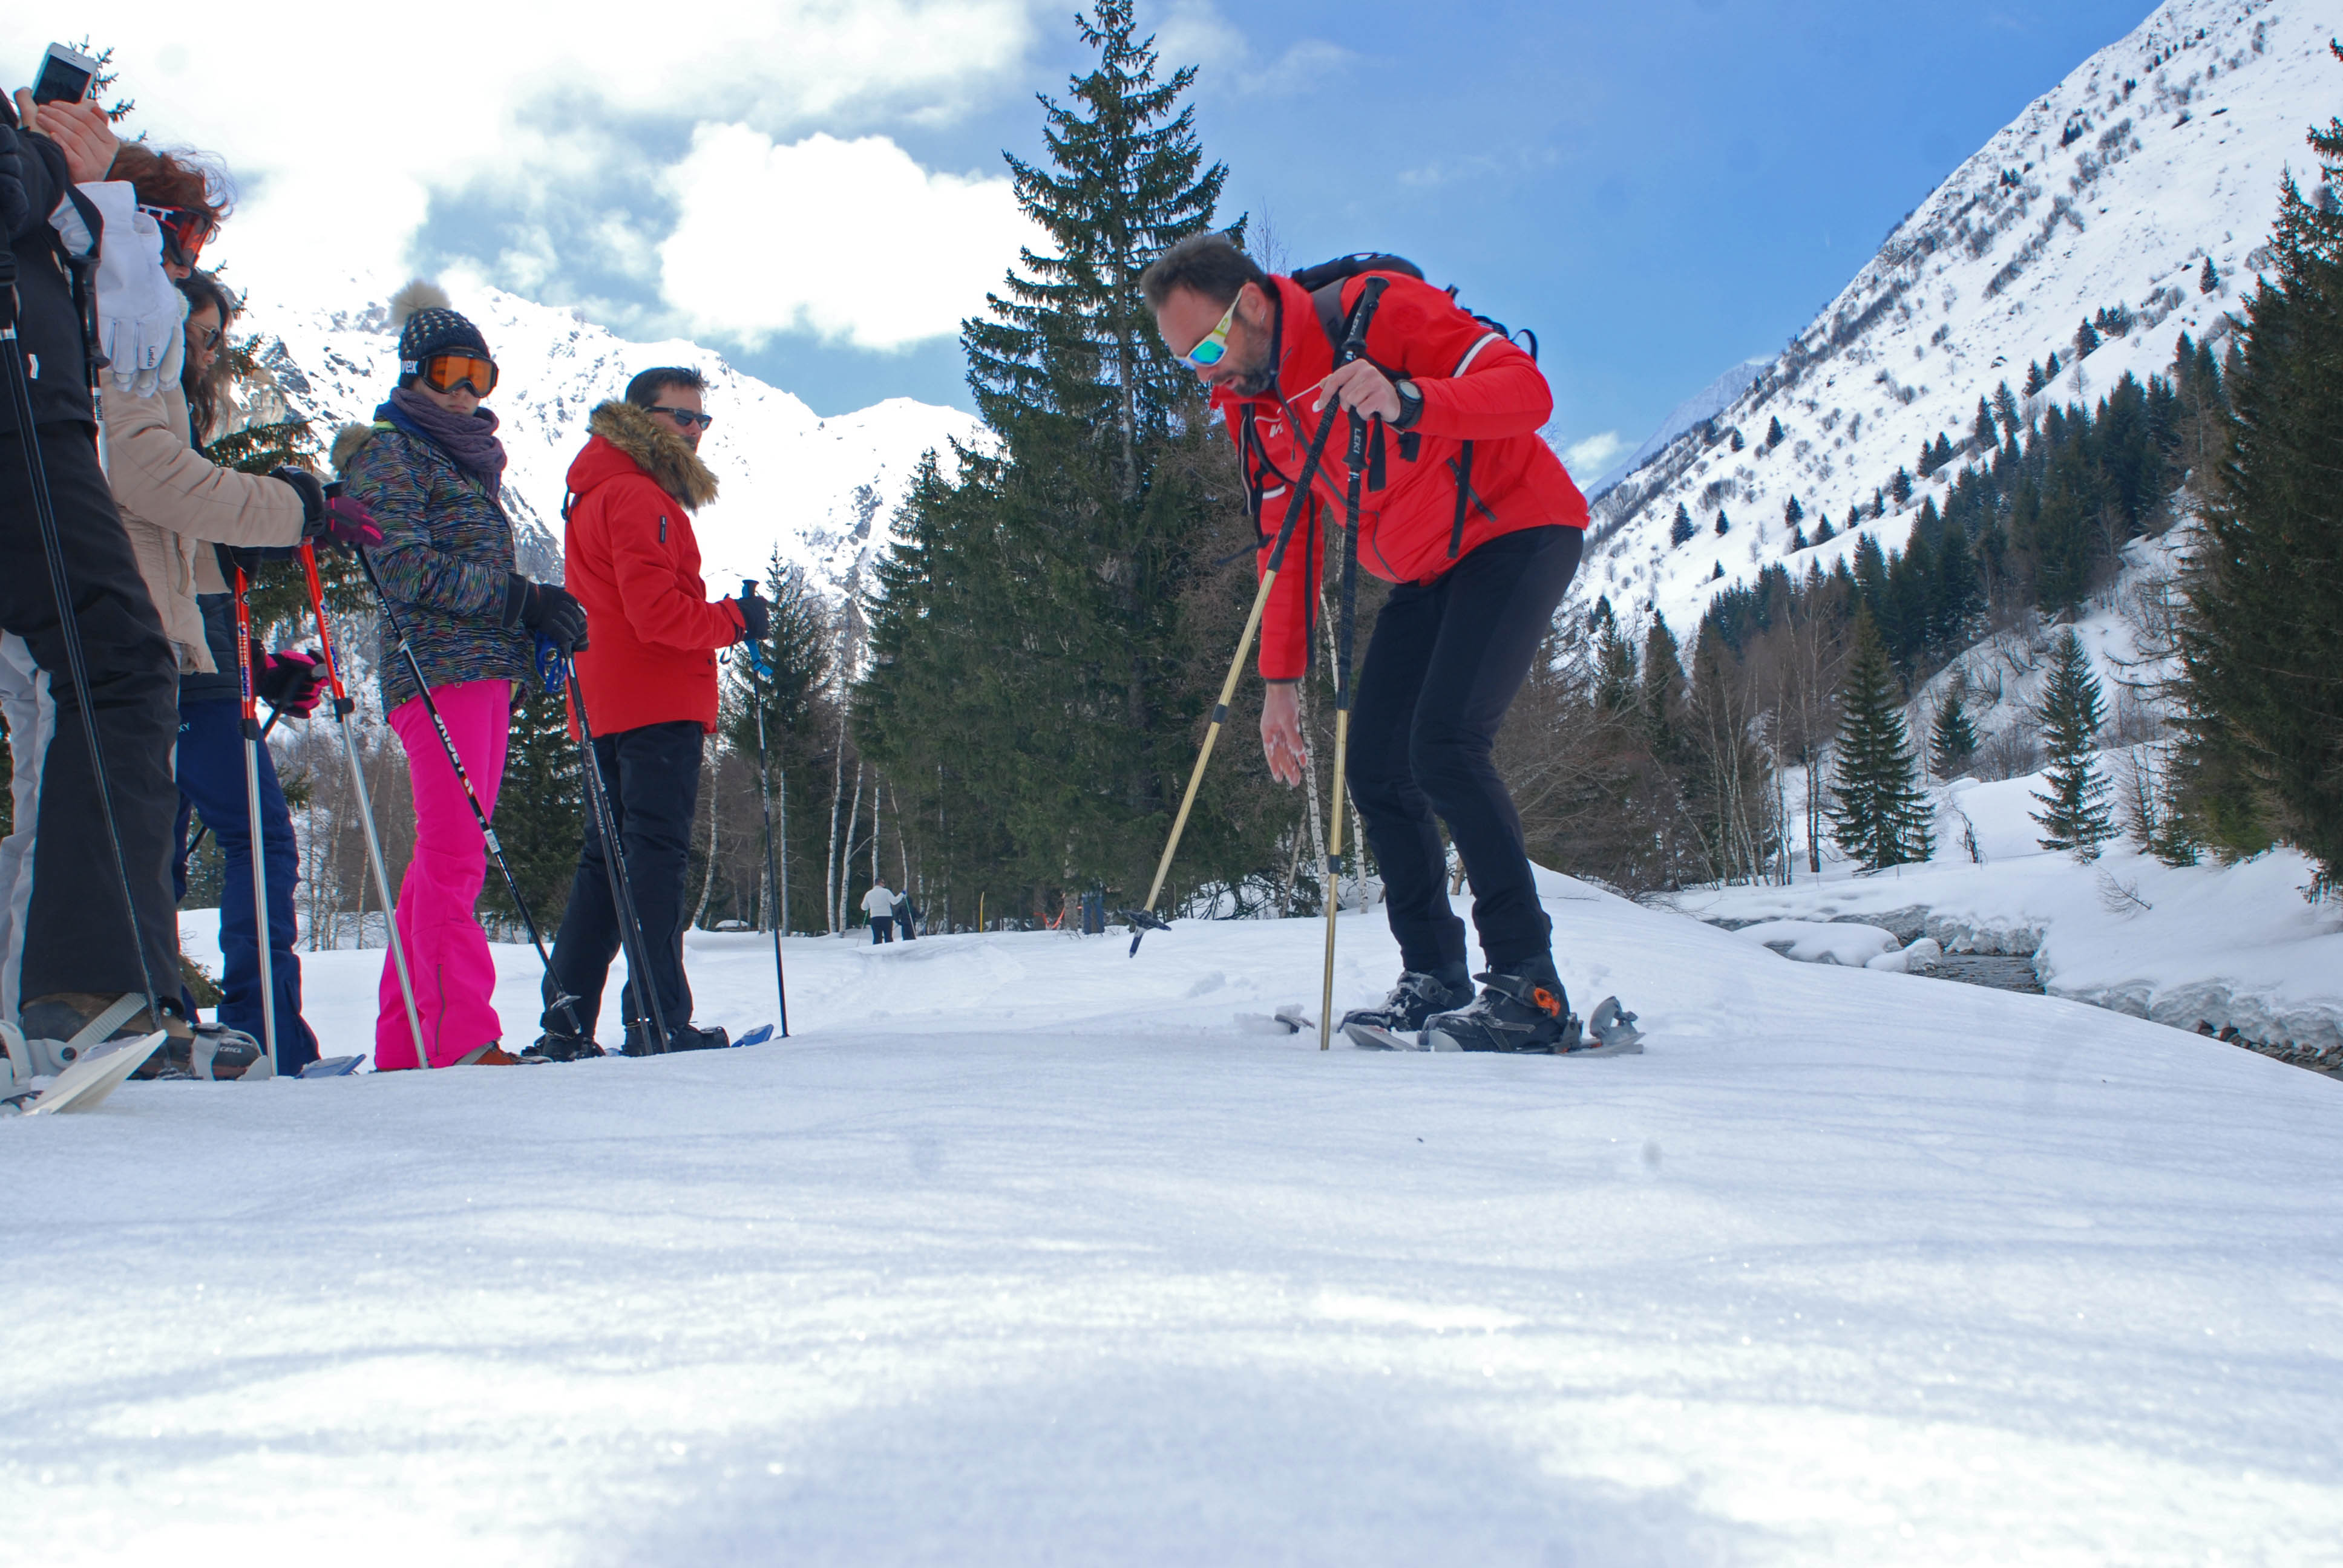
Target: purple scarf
470	440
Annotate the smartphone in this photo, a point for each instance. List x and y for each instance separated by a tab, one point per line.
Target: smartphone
64	76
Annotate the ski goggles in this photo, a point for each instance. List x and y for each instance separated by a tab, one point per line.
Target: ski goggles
1215	343
185	230
446	372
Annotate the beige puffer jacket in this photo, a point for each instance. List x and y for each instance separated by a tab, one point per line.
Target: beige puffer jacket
175	505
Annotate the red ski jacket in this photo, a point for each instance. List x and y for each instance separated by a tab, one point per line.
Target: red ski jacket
1471	467
629	555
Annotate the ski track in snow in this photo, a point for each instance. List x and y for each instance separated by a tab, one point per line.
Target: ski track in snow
1024	1251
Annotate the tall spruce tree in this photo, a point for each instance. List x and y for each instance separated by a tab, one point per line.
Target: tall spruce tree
1878	814
1028	645
800	718
1683	528
2076	813
2262	640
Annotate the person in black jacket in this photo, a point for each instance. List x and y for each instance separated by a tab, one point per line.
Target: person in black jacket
71	954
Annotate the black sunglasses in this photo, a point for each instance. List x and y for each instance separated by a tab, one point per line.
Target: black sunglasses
687	417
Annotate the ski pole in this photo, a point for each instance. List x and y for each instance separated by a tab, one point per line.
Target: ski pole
251	727
1356	459
641	979
203	831
561	999
758	670
342	707
1354	345
20	399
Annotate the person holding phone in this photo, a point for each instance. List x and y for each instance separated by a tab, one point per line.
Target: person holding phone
71	954
430	471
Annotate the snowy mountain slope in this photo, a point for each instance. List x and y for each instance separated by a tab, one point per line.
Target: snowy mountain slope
2111	190
1025	1252
822	490
1700	406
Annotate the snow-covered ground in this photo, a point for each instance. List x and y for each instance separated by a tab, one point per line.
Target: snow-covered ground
1026	1251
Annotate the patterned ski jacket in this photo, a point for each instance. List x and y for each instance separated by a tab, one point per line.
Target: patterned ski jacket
445	559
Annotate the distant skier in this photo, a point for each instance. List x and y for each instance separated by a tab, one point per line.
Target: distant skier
649	683
880	905
1471	513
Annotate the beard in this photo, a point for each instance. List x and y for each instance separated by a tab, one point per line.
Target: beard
1257	379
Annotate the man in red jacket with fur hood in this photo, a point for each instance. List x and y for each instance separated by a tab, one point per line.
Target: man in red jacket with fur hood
1468	510
648	681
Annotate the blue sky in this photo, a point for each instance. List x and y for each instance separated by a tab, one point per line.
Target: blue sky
815	187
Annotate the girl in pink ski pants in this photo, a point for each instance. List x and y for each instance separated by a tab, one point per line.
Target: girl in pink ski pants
447	951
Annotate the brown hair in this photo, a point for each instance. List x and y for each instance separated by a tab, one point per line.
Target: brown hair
205	391
1209	263
182	179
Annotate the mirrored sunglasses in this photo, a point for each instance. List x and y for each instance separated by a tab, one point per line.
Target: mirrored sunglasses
684	417
185	230
1215	343
446	372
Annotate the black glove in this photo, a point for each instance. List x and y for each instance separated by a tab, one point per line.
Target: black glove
756	614
547	611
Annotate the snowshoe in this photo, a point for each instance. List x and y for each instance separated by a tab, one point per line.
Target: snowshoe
492	1054
1404	1011
333	1067
1528	1012
1611	1032
757	1036
551	1047
95	1074
218	1051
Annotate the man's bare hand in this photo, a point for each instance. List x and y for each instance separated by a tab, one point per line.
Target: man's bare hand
1281	732
1360	386
81	131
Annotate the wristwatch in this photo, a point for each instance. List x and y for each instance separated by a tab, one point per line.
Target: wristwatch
1411	404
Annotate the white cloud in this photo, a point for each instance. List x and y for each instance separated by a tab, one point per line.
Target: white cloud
1591	456
852	240
339	124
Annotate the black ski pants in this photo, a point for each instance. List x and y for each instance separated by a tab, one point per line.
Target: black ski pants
1445	662
651	776
74	934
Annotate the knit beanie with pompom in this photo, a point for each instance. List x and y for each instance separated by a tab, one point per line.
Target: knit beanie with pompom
428	323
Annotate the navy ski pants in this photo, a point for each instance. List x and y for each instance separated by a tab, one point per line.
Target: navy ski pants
1446	660
211	781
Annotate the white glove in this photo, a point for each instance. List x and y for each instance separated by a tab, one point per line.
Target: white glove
139	310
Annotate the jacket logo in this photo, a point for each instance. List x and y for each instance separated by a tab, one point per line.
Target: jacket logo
662	528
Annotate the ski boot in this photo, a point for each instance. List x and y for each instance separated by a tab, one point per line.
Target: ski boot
554	1047
1416	998
690	1037
1523	1011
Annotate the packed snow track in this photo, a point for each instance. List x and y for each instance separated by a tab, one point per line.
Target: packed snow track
1021	1251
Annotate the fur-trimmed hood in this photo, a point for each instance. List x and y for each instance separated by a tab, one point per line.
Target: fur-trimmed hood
348	442
655	446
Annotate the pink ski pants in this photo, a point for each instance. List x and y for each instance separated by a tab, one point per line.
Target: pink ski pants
447	951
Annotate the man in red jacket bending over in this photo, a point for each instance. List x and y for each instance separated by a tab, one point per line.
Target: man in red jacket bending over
649	685
1470	514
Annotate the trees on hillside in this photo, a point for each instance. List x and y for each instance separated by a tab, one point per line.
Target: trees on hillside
2263	637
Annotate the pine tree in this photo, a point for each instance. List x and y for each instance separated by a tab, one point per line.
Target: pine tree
1943	453
1953	741
2086	341
1030	666
2262	640
2035	379
1723	523
1775	434
2209	280
799	696
2050	368
2004	410
2075	814
1927	462
1900	486
1798	538
1793	513
1823	532
1682	530
1738	444
1878	814
541	816
1984	432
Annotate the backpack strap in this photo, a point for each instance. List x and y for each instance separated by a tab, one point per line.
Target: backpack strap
1462	466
